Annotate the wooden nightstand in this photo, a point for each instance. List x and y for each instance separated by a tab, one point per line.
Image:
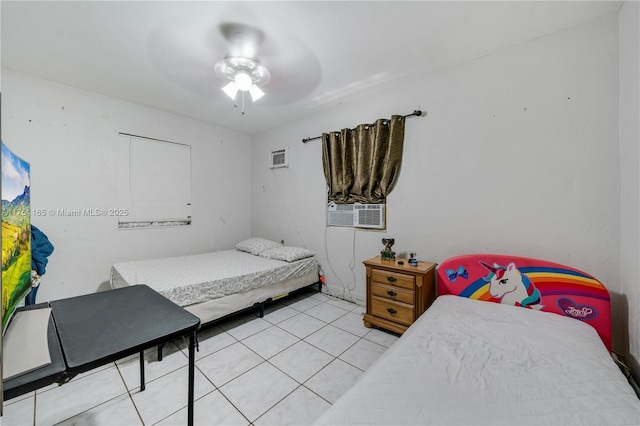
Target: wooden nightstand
398	294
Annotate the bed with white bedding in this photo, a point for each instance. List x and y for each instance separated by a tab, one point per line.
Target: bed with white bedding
213	285
466	361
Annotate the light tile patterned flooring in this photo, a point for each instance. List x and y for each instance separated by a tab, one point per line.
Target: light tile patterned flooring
286	368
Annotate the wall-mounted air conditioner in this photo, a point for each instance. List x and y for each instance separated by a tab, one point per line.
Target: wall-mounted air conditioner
370	216
279	158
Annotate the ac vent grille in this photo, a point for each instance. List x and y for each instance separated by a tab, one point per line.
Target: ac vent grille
344	207
369	218
279	158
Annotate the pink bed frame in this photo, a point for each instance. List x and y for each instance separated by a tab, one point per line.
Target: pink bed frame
529	283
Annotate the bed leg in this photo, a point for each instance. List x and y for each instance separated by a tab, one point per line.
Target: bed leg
160	351
261	309
319	286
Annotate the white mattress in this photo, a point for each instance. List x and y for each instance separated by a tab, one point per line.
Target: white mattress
187	280
471	362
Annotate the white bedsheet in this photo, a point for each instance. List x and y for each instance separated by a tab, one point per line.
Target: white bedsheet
187	280
471	362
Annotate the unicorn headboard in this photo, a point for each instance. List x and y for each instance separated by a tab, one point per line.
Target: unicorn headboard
529	283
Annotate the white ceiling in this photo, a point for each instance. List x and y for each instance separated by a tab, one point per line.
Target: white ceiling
162	54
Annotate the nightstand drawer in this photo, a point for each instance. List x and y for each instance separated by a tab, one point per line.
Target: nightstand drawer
392	293
393	311
393	278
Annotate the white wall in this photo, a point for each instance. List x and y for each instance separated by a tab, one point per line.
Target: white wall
69	136
518	154
629	22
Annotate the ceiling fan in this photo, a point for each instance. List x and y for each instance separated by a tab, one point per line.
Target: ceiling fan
279	63
241	68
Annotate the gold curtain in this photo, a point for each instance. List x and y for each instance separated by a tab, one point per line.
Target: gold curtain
362	165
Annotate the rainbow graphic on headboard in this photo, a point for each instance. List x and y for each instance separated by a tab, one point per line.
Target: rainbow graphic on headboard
529	283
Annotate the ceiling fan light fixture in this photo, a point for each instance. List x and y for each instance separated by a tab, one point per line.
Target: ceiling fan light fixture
256	93
242	80
231	90
243	74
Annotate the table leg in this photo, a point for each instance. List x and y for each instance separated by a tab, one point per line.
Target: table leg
192	360
142	384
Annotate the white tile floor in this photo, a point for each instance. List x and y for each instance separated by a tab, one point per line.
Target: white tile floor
284	369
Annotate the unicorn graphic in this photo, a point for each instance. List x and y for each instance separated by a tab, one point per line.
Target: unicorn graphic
511	286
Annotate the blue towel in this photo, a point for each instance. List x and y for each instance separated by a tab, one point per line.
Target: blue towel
41	248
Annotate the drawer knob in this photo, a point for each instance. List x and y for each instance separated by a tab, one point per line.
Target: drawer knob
391	293
392	311
391	279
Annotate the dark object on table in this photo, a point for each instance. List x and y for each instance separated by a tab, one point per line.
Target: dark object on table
387	253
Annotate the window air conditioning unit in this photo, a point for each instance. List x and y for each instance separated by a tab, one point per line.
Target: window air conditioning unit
370	216
279	158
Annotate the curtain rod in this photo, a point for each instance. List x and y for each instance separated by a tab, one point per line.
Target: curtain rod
415	113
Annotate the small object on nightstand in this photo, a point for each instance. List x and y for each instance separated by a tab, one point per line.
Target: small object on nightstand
400	262
387	253
412	259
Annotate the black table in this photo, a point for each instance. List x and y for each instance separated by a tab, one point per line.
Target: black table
100	328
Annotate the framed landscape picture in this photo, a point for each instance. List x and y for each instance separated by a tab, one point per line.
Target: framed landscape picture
16	233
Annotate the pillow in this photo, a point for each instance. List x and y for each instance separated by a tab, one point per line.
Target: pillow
256	245
288	254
